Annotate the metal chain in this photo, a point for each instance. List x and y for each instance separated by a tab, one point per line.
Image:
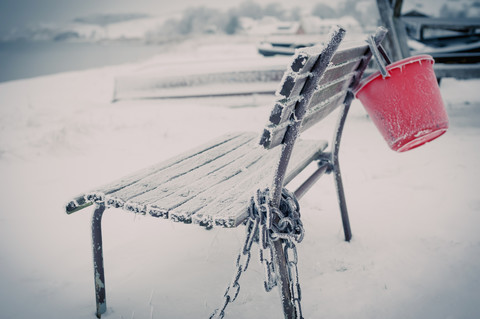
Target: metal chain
290	230
261	208
243	259
260	228
291	251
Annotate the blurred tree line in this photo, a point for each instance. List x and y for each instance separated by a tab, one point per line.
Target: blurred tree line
197	20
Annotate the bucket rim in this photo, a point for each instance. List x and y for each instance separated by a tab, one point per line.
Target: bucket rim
394	65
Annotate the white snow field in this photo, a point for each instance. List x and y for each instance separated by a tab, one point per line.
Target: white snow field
415	216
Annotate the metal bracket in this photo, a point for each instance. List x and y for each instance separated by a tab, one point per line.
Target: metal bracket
325	159
378	53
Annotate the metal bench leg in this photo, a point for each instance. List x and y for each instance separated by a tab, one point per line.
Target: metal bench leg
336	167
283	281
99	274
343	204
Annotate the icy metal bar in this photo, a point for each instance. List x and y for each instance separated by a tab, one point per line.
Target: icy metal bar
377	57
99	274
336	166
382	51
305	187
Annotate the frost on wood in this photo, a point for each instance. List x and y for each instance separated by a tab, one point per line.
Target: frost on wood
300	84
290	91
298	71
208	187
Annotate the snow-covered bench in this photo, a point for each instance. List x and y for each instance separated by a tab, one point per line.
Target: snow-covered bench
239	178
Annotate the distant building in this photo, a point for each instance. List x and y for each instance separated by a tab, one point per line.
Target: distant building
270	26
316	25
289	28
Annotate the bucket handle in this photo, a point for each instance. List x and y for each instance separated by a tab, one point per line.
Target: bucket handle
378	52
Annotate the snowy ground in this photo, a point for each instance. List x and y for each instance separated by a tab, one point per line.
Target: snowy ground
415	216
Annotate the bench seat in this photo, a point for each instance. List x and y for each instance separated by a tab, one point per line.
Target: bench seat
223	174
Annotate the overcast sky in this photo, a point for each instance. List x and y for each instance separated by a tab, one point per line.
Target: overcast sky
21	13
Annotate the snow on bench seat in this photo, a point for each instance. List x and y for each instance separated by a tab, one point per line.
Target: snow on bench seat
210	185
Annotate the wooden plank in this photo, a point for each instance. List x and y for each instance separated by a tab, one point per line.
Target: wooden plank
86	199
229	176
230	208
175	171
344	62
233	215
290	91
257	172
330	90
273	135
298	71
292	83
337	71
349	51
322	110
178	191
135	177
282	110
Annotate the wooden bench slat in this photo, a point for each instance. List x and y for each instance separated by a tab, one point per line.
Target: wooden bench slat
86	199
274	134
283	109
343	66
237	212
180	190
220	174
181	209
339	70
298	72
292	84
134	177
322	110
330	90
197	162
224	202
349	50
253	172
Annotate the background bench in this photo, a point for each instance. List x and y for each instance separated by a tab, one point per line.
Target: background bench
450	61
213	185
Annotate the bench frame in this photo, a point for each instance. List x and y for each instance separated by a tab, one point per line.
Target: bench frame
327	162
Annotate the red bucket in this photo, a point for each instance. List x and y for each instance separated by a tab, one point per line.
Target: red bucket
406	106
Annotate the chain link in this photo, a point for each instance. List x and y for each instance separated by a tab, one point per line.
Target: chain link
243	260
291	251
260	228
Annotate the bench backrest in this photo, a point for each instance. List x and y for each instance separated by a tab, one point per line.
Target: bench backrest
321	80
